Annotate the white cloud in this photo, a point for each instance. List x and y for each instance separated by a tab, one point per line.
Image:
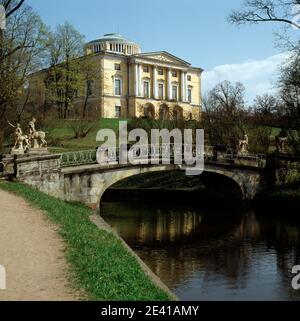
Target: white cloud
258	76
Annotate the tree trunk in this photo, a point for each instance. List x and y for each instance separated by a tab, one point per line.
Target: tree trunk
84	106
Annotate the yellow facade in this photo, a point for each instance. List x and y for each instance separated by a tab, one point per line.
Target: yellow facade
135	84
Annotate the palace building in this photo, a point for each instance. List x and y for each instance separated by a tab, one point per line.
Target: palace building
135	84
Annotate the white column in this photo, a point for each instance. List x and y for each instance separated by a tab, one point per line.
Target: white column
136	80
183	86
155	82
169	84
186	86
140	81
200	90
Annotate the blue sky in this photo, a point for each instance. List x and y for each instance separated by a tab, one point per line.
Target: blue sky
194	30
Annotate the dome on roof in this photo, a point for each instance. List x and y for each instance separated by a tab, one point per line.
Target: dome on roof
113	42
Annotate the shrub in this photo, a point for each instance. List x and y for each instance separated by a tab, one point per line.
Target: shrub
260	140
81	128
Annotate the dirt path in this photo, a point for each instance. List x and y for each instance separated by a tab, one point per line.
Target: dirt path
32	253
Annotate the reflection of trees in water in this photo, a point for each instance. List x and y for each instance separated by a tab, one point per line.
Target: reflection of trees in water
177	244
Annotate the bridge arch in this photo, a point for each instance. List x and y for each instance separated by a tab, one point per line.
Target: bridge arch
87	183
217	186
90	187
249	182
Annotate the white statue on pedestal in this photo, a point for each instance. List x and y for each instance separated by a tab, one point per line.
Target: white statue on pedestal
243	145
21	141
34	142
37	138
281	141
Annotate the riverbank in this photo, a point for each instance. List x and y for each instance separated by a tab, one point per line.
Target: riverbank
99	263
286	200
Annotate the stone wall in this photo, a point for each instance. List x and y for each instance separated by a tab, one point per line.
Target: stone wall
40	172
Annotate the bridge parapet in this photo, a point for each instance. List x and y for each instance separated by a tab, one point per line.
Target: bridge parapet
42	172
248	160
160	152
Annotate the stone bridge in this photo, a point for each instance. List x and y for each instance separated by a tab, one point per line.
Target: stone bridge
80	178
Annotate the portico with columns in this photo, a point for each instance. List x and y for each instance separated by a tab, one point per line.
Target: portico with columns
161	79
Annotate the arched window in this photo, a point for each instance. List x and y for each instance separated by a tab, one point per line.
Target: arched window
164	112
149	111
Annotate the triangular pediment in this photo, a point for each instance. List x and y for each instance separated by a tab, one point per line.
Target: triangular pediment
163	56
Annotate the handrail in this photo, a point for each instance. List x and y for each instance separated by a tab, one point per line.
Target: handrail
160	151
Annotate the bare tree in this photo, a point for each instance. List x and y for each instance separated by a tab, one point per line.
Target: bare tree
265	104
257	11
224	114
10	7
89	69
289	85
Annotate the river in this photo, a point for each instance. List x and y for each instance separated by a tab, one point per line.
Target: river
206	254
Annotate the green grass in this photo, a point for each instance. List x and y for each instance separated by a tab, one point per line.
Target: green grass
100	264
61	135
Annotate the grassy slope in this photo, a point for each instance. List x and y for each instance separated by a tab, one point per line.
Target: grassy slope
62	135
100	264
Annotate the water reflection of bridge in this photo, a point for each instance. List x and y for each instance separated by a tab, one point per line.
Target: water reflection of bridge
176	246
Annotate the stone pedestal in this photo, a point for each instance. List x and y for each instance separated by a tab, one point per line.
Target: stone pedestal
41	172
17	152
38	151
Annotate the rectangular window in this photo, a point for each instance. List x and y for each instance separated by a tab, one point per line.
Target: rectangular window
160	91
118	87
146	89
146	69
118	111
174	92
160	71
174	73
190	95
189	77
117	67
